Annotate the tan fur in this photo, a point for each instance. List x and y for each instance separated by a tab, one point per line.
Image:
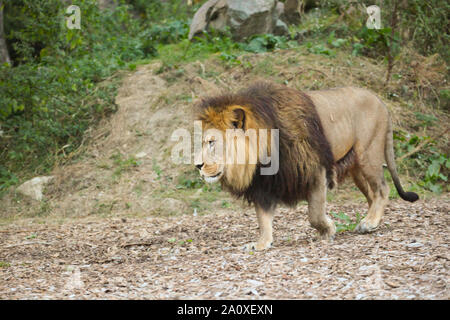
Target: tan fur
356	119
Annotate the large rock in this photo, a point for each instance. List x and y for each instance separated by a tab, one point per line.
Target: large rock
243	18
280	9
33	188
205	16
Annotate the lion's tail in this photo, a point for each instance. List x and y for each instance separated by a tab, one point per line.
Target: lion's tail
390	160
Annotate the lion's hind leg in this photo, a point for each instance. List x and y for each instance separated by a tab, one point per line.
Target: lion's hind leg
362	184
372	183
317	196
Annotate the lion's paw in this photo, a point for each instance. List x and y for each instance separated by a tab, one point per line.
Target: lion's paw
328	233
366	226
257	246
326	237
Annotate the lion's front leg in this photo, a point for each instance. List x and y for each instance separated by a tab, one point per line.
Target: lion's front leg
265	219
317	196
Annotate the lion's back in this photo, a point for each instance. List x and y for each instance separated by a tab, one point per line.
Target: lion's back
349	115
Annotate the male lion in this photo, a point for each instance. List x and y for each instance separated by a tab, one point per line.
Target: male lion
323	136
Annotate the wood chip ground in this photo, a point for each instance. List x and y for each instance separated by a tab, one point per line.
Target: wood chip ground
201	257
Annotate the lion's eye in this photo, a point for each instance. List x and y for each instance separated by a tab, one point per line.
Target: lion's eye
211	143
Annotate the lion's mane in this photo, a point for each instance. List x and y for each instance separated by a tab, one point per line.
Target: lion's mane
303	148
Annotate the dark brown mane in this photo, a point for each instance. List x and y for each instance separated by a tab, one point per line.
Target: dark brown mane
303	148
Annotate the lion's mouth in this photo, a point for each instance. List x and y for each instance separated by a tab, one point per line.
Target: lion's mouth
214	178
216	175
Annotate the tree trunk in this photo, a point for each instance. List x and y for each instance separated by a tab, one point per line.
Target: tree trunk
293	9
4	55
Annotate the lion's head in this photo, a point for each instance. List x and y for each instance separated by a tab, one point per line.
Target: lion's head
232	127
251	116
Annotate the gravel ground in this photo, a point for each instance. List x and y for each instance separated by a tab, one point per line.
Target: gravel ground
200	257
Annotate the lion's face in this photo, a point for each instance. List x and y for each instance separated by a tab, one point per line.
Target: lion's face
213	167
218	162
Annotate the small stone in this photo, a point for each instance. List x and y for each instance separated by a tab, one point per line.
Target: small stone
255	282
414	245
141	155
33	188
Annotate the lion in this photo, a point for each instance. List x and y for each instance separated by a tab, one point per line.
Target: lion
323	136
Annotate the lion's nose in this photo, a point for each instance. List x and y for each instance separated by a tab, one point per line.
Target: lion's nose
199	166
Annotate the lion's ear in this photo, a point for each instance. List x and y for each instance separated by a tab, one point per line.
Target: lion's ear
239	116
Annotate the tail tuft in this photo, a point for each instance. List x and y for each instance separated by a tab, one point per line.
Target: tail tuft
390	160
409	196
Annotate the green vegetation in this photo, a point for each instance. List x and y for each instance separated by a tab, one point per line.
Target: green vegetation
190	180
421	23
121	164
344	222
31	236
179	242
423	160
61	82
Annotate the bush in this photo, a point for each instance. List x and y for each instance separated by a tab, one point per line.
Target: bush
52	94
424	23
267	42
376	42
164	11
431	167
170	32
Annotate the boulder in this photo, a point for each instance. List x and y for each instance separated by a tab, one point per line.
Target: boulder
203	17
280	9
280	28
243	18
33	188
